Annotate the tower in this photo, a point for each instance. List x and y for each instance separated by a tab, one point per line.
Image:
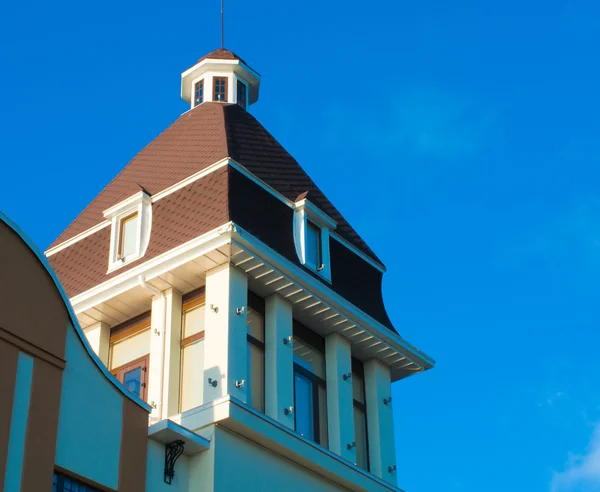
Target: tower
219	284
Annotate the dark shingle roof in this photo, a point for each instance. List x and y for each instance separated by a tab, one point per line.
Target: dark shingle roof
199	138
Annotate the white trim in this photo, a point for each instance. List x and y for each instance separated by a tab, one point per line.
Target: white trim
166	431
316	215
239	167
304	211
18	424
77	238
140	204
236	416
204	172
187	181
126	205
357	252
247	241
153	268
72	316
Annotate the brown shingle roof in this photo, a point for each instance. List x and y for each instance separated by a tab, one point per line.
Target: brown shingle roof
176	219
221	54
199	138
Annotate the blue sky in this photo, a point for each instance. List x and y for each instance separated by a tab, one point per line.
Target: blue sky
459	138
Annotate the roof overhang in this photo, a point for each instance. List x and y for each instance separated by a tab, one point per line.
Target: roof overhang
314	304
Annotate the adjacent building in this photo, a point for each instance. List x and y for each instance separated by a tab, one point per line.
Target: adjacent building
220	287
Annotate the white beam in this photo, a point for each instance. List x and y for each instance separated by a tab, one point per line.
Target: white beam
340	410
225	344
279	360
98	336
380	421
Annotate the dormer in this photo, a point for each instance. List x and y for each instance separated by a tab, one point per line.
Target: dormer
220	76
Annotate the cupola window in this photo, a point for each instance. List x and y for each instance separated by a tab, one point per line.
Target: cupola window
199	92
128	235
241	94
220	89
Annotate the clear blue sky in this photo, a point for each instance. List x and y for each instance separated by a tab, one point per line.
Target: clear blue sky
461	139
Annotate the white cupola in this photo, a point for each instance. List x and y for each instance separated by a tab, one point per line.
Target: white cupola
220	76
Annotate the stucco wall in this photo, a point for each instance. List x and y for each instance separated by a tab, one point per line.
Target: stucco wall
89	428
243	465
155	471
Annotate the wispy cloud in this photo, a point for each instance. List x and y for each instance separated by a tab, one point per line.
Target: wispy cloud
423	121
581	473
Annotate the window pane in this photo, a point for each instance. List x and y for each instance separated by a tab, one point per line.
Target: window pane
256	325
132	380
256	392
313	245
192	375
303	408
308	357
193	321
358	387
131	348
323	434
129	235
360	436
241	94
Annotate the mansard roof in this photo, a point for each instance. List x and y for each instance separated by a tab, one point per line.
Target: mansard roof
197	139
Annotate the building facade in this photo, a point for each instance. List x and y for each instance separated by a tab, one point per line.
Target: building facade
218	284
64	419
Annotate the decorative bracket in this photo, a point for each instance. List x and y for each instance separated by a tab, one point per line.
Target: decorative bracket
172	452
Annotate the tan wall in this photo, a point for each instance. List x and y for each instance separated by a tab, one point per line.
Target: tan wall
34	326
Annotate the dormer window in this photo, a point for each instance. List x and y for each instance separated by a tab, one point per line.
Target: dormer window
311	237
241	94
131	221
128	235
220	89
199	92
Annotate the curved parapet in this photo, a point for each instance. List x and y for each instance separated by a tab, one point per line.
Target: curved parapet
61	411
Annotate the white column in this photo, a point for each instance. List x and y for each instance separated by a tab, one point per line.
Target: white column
279	360
98	336
380	420
172	364
157	351
340	410
225	343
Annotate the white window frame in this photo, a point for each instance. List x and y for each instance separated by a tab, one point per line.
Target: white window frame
305	211
141	204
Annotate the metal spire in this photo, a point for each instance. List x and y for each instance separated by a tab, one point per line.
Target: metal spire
222	25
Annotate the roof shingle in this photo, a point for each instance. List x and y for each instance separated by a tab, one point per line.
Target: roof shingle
197	139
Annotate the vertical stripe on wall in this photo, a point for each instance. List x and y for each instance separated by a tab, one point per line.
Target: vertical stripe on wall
18	427
9	358
42	427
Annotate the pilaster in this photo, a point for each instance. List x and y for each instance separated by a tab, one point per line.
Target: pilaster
279	360
225	343
172	353
98	336
380	421
157	350
340	409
